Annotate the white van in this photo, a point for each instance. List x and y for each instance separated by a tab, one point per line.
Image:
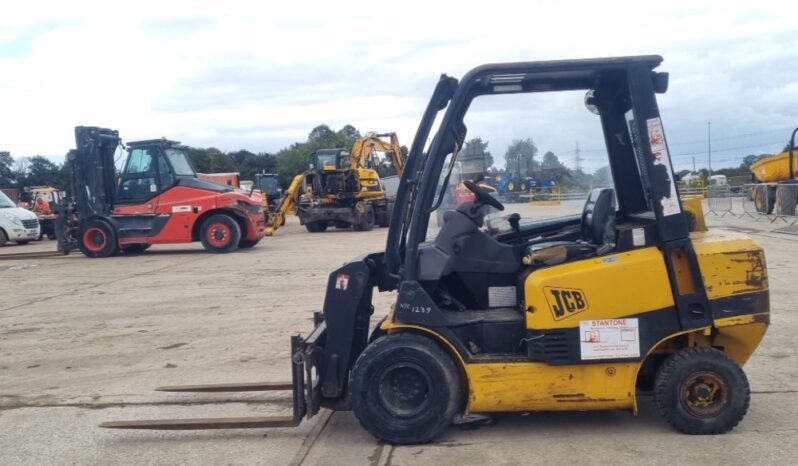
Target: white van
16	224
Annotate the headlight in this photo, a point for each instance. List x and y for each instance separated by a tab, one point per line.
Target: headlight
14	219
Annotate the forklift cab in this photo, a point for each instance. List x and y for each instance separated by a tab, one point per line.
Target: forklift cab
467	264
152	167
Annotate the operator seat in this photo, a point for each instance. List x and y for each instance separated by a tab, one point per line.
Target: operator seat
597	233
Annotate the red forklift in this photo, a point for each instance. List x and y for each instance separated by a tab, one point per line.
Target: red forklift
157	198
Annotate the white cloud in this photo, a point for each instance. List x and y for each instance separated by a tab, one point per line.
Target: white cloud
260	75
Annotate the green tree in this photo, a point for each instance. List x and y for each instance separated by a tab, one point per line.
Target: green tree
293	159
200	159
42	172
6	169
602	177
550	161
323	136
475	158
520	157
345	137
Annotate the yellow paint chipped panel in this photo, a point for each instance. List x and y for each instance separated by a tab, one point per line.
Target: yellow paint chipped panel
537	386
730	263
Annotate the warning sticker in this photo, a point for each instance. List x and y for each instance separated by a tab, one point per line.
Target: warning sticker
662	162
502	296
342	281
181	208
638	237
609	339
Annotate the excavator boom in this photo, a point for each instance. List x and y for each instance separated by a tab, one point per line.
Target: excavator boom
290	200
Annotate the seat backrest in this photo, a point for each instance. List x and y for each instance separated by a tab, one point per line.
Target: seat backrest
598	217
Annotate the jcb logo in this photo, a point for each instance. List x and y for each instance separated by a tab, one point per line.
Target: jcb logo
565	302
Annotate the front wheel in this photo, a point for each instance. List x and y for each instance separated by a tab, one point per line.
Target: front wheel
367	220
97	239
248	243
702	391
405	389
220	233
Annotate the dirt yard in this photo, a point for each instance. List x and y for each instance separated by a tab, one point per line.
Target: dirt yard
85	341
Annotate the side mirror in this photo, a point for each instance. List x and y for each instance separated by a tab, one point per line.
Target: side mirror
660	82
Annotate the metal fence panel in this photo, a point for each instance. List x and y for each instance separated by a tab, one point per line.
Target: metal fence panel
719	199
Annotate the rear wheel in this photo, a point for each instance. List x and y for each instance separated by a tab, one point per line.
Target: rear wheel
786	199
404	389
316	227
761	200
220	233
367	220
248	243
702	391
97	239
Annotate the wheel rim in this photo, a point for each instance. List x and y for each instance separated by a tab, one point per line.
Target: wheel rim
405	389
94	239
219	234
704	394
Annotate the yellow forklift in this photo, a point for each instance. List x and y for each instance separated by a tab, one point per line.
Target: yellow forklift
574	313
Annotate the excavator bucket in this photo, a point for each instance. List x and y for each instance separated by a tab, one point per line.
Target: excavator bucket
305	358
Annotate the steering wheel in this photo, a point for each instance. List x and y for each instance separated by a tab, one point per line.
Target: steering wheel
483	196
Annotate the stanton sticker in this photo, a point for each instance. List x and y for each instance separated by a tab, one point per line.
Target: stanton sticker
342	281
565	302
609	339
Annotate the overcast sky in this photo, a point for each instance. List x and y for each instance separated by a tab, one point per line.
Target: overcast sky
260	75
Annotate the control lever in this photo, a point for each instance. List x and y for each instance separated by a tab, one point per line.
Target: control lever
515	224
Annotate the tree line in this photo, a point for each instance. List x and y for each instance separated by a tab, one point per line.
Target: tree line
520	159
288	162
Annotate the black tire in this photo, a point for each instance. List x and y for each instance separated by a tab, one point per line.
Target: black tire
702	391
316	227
367	220
786	199
135	248
405	389
23	242
761	200
97	239
248	243
220	234
51	236
3	238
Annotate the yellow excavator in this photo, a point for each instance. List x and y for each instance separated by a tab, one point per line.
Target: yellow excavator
344	189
